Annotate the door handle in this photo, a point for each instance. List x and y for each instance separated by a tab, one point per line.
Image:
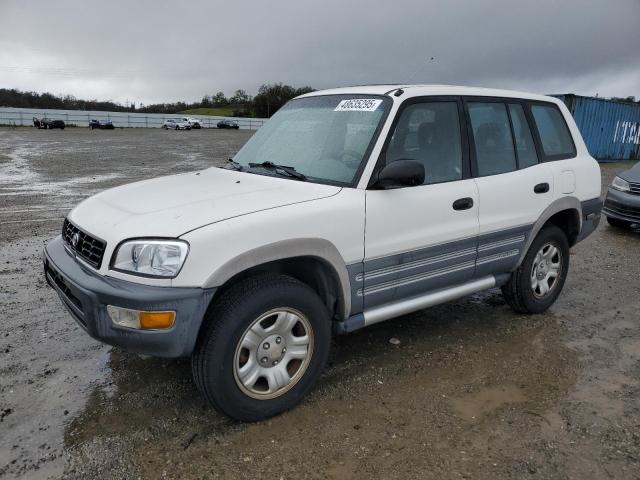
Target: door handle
463	204
541	188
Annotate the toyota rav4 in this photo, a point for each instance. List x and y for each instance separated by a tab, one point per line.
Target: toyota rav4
347	208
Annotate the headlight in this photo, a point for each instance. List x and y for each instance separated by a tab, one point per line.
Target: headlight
154	258
620	184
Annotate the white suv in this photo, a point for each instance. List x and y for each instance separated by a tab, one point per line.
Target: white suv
176	124
347	208
193	122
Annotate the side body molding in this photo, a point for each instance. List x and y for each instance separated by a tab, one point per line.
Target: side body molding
564	203
287	249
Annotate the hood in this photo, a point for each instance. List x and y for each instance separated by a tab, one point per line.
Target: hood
171	206
631	175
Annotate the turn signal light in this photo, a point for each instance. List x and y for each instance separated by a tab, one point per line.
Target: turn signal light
157	320
125	317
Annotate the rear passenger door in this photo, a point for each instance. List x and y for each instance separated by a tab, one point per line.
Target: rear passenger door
513	186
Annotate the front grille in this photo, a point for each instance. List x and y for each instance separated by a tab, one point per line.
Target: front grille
90	249
59	282
622	209
634	188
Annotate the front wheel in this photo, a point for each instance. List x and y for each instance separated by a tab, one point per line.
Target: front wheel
614	222
536	284
262	347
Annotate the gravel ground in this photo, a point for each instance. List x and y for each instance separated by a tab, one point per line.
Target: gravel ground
472	390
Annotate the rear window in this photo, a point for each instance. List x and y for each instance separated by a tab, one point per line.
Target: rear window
554	133
525	148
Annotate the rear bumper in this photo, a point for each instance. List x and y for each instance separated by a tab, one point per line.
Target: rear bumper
622	205
591	210
86	296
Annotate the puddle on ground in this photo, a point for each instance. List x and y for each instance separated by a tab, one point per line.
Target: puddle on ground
475	405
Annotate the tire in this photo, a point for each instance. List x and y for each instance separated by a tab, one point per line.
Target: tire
248	307
165	127
617	223
520	292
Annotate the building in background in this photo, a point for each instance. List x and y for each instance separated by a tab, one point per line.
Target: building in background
610	128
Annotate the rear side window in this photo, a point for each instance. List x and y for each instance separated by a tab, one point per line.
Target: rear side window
554	133
492	138
525	148
430	134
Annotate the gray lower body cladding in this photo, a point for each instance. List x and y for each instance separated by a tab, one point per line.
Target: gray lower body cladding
394	285
397	277
591	214
86	296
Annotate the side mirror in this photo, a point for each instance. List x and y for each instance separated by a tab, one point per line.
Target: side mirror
400	173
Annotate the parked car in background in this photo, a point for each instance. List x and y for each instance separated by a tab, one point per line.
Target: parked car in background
47	123
622	203
348	208
194	122
228	124
176	124
101	124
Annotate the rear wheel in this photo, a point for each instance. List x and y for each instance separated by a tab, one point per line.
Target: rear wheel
262	348
536	284
617	223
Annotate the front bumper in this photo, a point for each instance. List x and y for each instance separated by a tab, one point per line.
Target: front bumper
622	206
86	295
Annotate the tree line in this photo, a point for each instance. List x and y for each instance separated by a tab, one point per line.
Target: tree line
266	102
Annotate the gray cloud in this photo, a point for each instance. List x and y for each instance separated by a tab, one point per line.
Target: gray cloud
154	51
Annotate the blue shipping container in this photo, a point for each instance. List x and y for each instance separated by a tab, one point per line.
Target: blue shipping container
611	129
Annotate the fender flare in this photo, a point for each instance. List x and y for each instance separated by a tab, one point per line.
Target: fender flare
557	206
318	248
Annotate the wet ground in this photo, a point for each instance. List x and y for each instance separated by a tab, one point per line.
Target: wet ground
472	390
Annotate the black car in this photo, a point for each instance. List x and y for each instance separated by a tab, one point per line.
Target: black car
622	204
48	123
228	124
102	125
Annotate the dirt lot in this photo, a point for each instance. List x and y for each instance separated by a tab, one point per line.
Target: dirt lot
472	390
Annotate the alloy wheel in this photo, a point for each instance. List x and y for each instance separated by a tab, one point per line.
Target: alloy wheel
546	269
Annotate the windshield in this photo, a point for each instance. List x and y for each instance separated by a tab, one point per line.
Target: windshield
325	138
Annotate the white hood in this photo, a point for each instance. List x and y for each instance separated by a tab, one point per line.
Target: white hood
172	206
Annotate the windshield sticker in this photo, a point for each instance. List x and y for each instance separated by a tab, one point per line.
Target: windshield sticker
358	105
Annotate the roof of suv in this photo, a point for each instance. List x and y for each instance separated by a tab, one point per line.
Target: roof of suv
420	90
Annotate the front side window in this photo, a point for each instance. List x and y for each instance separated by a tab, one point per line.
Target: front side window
492	138
430	134
554	133
525	147
325	138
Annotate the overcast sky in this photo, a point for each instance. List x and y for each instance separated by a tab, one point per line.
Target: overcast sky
157	51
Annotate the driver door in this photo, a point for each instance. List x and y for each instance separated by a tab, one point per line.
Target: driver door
423	238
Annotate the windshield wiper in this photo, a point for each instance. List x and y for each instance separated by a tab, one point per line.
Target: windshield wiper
234	164
289	171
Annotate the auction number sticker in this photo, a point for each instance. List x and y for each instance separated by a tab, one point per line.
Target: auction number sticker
358	105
